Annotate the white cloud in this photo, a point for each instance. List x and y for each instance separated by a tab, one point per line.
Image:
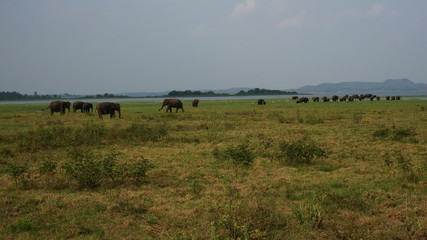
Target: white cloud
242	9
292	22
201	30
376	10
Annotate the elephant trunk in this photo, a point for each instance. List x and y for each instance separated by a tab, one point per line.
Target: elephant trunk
120	115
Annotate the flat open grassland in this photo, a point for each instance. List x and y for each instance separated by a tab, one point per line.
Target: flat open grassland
225	170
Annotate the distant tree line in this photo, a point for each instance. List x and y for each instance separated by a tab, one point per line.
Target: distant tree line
189	93
251	92
105	95
257	91
18	96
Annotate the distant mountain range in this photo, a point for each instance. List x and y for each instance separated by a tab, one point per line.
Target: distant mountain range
153	94
390	85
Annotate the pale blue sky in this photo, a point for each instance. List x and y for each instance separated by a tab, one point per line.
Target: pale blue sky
114	46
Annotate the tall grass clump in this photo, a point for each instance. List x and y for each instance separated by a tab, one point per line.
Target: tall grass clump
45	138
396	134
299	152
252	218
85	168
402	166
58	135
240	154
91	171
144	132
19	172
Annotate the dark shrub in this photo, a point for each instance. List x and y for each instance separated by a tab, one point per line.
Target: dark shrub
240	154
300	152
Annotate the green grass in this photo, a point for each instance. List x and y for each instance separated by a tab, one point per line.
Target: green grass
229	169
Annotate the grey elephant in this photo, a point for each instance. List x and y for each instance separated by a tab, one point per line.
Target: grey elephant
343	98
87	107
59	106
302	100
325	99
172	103
335	98
261	102
195	102
108	108
78	105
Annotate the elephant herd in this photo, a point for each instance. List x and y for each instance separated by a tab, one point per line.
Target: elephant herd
344	98
105	108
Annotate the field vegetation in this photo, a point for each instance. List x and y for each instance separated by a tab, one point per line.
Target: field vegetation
229	169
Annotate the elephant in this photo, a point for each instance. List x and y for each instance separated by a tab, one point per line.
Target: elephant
295	98
261	102
378	98
172	103
372	97
343	98
397	97
393	98
315	99
58	106
303	100
334	98
387	98
108	108
325	99
78	105
350	98
87	106
195	103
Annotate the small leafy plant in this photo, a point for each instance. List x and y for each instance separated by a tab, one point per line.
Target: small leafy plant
299	152
240	154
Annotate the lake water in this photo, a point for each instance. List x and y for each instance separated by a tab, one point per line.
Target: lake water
318	94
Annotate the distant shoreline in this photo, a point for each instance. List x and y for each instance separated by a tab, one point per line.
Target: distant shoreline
218	98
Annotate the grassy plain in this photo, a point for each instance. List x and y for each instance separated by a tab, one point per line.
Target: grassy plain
229	169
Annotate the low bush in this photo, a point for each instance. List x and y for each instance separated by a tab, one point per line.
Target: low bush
144	132
396	134
57	135
91	171
381	133
299	152
240	154
19	172
85	168
248	219
399	165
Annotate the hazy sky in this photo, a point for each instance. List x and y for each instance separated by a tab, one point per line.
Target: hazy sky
114	46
